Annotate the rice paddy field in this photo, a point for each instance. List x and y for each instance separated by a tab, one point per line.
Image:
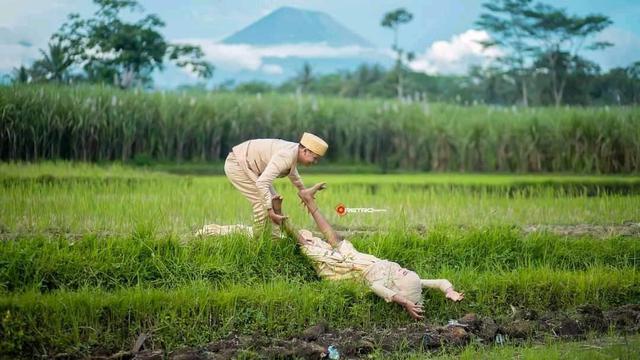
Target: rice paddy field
532	212
99	260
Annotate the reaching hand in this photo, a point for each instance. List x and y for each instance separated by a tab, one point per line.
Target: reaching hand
310	192
454	295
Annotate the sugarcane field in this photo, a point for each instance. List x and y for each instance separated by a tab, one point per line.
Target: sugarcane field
300	189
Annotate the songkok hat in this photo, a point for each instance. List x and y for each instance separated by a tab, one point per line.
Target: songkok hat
314	143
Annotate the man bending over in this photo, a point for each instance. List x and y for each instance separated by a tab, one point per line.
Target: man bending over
336	258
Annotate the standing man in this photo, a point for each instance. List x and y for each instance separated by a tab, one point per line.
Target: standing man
253	165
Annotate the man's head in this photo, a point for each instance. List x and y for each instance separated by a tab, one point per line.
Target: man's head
408	284
311	149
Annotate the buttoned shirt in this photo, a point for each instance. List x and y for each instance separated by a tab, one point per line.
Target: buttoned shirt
264	160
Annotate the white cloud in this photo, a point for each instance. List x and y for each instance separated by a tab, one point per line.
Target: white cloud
248	57
31	21
14	55
272	69
455	56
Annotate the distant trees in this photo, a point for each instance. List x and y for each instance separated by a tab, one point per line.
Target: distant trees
20	75
305	77
393	20
586	84
509	26
560	38
54	65
112	50
540	38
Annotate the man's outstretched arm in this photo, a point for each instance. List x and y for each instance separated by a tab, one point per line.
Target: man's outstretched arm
308	199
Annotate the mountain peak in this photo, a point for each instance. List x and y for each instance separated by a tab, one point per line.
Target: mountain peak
290	25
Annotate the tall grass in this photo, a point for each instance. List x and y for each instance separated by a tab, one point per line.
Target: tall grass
97	123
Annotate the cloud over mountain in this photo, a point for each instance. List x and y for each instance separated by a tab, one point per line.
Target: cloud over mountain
456	55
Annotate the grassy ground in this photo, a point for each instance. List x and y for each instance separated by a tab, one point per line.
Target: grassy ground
613	347
94	255
119	200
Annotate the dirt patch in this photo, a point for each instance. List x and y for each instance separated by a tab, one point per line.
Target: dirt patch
314	342
628	228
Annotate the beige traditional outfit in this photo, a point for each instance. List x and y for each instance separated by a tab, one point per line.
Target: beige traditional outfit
345	262
253	165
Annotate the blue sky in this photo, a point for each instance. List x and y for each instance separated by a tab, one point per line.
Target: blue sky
435	22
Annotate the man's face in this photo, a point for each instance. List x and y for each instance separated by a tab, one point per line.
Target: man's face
307	157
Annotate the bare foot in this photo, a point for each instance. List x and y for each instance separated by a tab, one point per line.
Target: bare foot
310	192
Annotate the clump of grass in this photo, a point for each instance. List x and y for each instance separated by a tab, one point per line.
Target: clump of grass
196	313
44	264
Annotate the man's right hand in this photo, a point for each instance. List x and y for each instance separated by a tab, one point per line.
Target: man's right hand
277	219
276	204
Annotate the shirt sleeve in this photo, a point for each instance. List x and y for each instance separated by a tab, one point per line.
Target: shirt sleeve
279	163
442	284
382	291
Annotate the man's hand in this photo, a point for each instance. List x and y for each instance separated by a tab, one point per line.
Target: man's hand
276	203
277	219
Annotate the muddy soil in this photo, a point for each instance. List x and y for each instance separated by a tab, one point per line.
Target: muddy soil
627	229
522	325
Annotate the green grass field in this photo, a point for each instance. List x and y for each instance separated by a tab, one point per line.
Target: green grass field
91	256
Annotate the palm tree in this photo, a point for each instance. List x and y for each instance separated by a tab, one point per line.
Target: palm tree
21	75
305	78
393	20
54	65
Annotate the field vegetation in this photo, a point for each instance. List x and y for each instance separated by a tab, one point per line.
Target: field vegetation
103	124
93	256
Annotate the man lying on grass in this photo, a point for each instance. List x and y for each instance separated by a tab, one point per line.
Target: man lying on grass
336	259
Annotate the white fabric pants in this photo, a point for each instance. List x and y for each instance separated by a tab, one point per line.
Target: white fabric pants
247	187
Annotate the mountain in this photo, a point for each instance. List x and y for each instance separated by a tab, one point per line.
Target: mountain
300	30
288	25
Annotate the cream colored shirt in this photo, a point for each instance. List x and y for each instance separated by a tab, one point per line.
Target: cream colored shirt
345	262
264	160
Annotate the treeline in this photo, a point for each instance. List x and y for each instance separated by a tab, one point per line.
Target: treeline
104	124
541	60
586	85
